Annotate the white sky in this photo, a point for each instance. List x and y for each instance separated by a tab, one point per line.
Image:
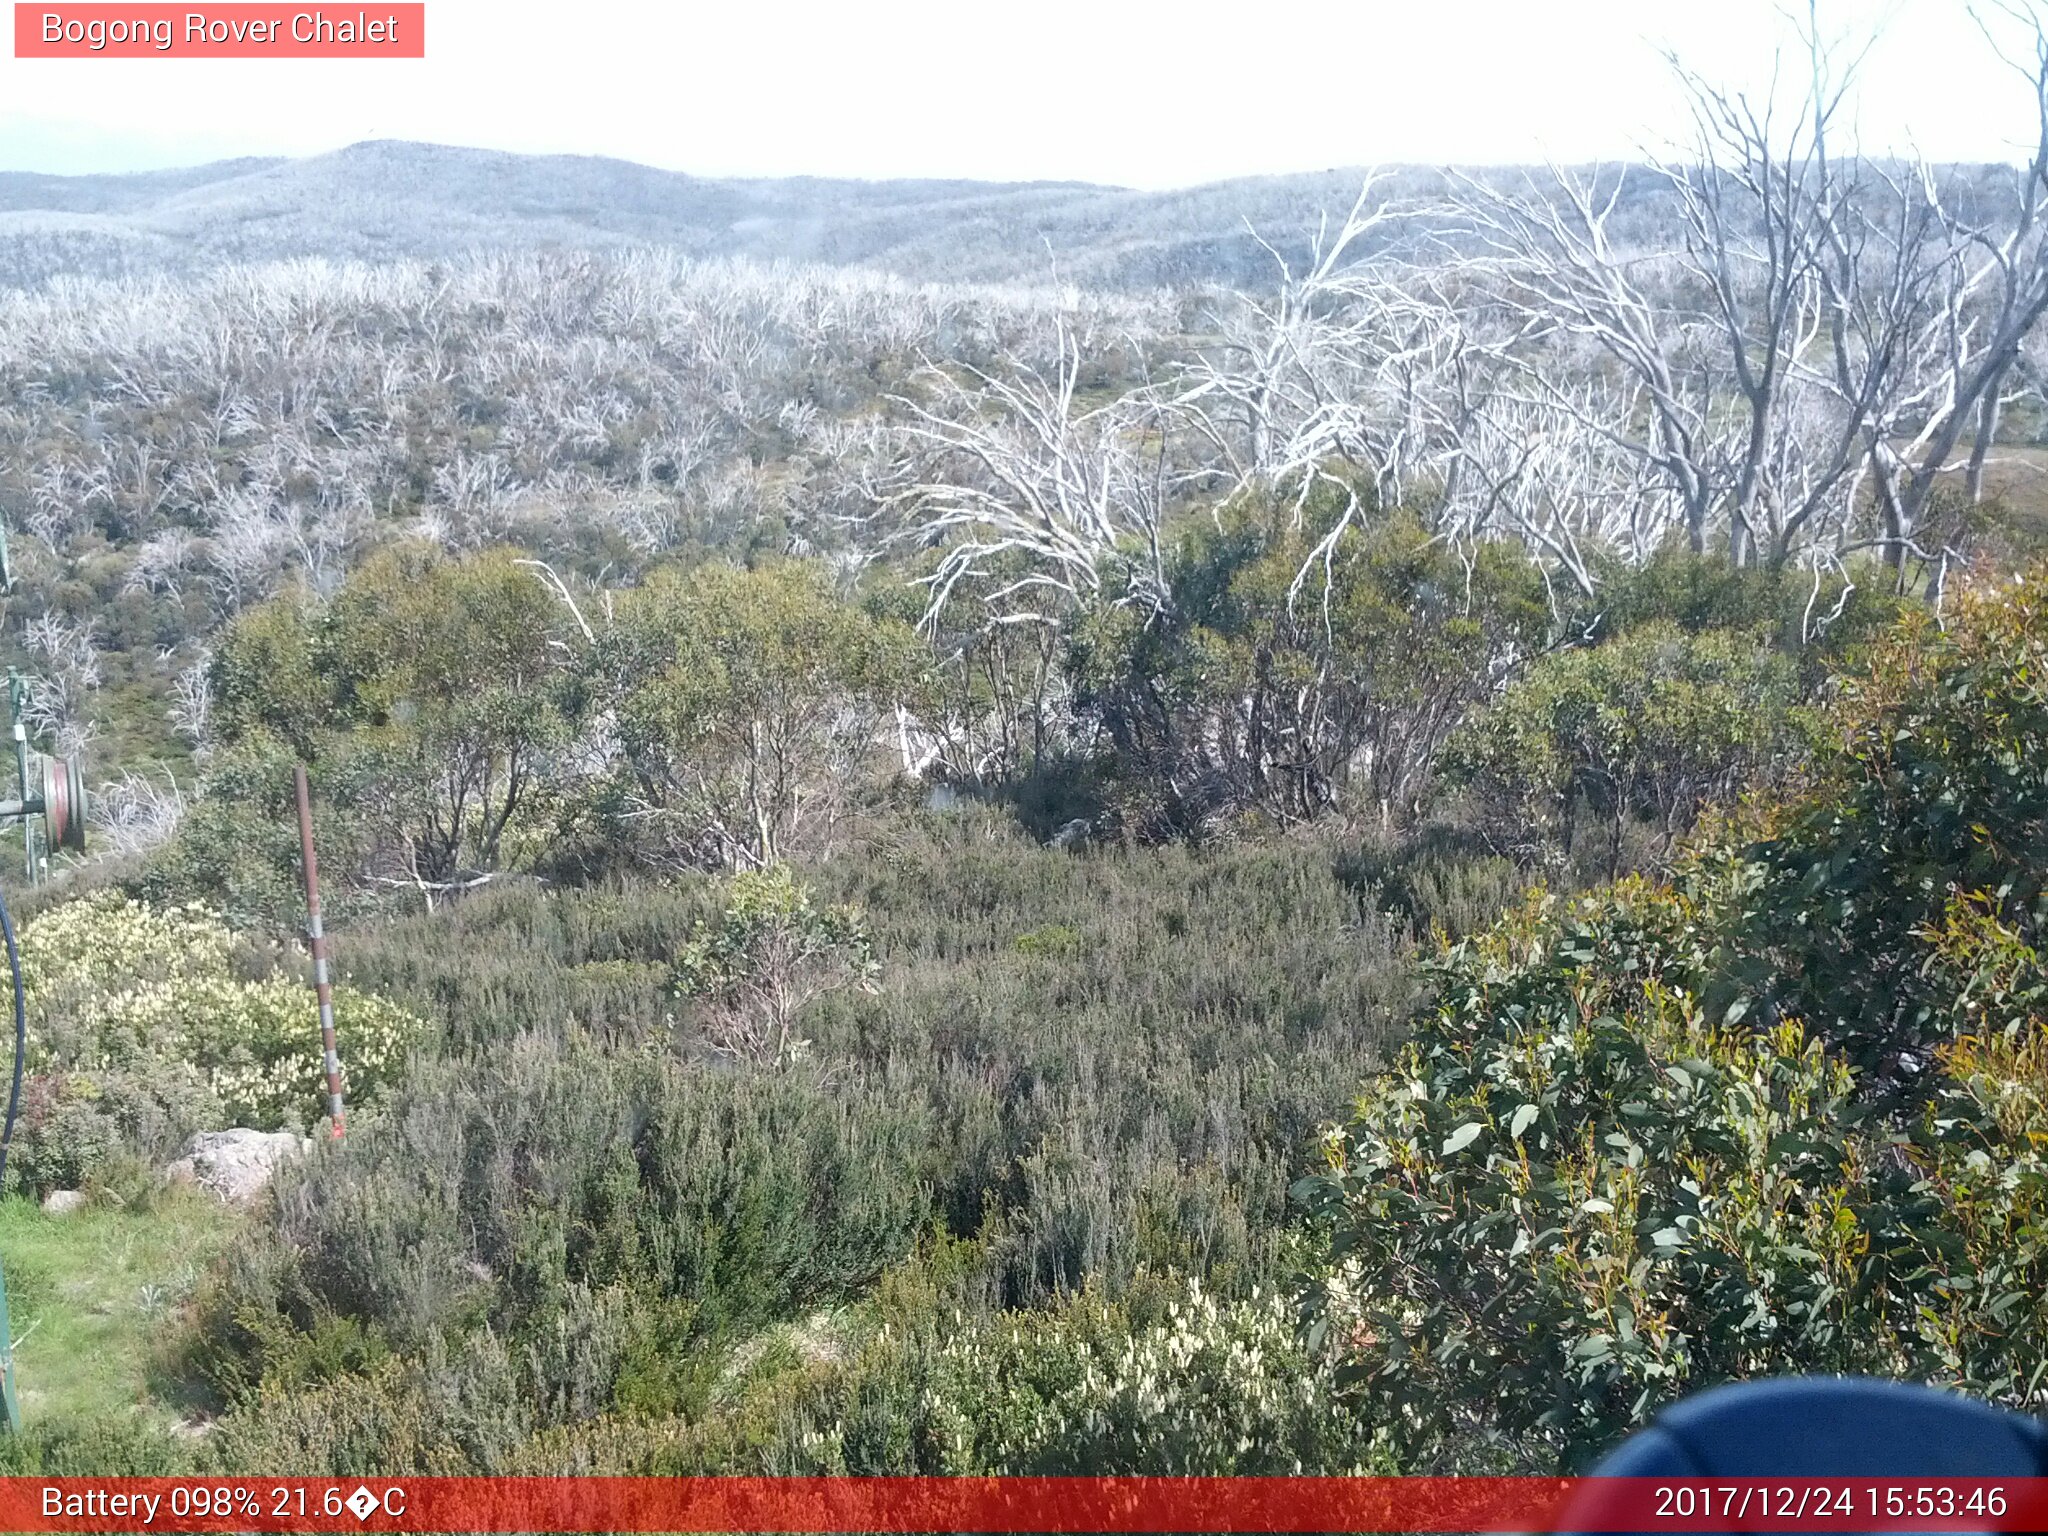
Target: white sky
1141	92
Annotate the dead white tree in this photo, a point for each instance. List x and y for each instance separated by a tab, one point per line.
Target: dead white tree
1034	503
1822	333
1947	294
1328	381
67	673
136	813
1759	198
1533	470
1278	392
1546	255
191	706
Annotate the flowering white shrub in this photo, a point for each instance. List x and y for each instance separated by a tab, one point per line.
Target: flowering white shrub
1200	1386
1212	1387
114	983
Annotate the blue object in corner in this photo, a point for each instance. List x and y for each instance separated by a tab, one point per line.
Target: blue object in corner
1825	1426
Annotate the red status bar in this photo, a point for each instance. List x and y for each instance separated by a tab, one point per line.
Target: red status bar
1022	1504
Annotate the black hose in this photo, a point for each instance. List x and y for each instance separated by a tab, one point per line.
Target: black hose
20	1038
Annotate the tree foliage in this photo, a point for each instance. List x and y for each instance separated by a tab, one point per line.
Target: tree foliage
1645	730
1253	696
1934	788
428	693
746	704
1657	1138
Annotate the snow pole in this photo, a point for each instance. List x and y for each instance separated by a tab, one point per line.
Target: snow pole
316	942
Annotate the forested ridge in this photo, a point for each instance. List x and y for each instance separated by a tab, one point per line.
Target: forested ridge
1377	855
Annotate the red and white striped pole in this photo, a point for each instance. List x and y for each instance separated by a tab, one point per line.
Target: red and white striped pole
316	941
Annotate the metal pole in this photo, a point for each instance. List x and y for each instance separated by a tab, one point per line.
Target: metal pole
17	697
316	941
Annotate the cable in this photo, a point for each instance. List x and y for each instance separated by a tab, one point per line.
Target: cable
20	1038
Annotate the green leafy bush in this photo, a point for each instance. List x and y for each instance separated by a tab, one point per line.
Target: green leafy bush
1174	1383
772	951
495	1187
1576	1197
1141	1099
1817	622
746	705
1580	1195
1645	730
427	694
1934	784
1615	1165
1259	695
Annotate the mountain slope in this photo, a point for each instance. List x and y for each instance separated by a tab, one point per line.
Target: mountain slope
391	199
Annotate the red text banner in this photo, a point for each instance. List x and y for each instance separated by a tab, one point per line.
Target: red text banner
222	31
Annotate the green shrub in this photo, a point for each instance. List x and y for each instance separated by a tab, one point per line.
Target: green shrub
772	952
124	1446
454	1407
1179	1384
1617	1164
746	705
493	1188
1575	1196
1580	1195
80	1130
1934	784
1645	730
1438	878
1257	695
523	958
1144	1101
1818	624
1172	1382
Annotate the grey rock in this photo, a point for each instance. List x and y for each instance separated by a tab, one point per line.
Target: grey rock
235	1165
62	1202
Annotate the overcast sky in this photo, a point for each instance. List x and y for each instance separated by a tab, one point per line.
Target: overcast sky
1129	91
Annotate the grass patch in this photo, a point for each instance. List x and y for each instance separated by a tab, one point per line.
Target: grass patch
96	1298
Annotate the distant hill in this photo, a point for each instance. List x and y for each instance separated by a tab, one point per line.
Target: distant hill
392	199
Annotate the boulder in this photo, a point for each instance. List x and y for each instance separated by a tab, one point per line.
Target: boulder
235	1165
62	1202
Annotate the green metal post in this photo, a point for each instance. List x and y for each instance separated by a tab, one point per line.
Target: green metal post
10	1405
8	1402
